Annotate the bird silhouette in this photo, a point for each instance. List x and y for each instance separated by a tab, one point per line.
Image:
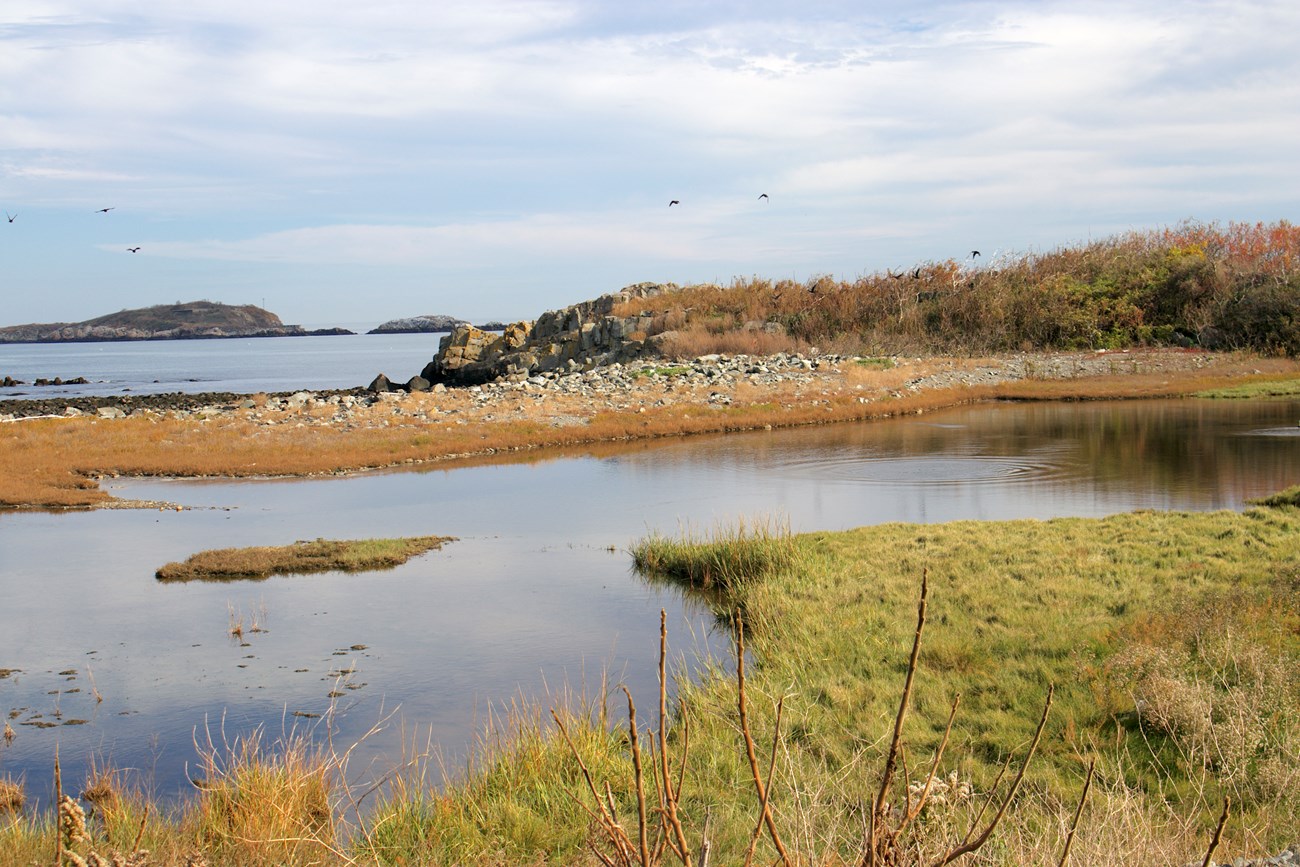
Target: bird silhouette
974	253
104	210
916	275
11	219
133	249
673	202
762	195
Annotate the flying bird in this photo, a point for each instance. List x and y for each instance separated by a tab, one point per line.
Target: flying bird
673	202
974	253
104	210
762	195
133	249
11	219
916	275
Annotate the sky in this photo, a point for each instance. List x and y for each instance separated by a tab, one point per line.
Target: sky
343	162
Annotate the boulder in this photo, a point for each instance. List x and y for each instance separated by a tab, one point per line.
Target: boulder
573	338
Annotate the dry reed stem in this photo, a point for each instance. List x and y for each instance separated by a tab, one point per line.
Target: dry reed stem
642	843
1218	832
765	811
1074	823
669	796
876	839
58	799
970	845
913	810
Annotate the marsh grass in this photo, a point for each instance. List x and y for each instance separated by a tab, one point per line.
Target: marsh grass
726	558
516	802
1264	388
12	796
321	555
1013	607
1289	497
264	804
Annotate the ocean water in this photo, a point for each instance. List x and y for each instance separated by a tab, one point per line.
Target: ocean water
241	365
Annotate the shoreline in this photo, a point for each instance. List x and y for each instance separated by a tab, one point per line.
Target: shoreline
332	432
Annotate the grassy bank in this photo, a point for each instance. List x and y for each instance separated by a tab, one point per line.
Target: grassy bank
1172	642
300	558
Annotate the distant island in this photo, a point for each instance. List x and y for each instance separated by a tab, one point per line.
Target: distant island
189	321
428	323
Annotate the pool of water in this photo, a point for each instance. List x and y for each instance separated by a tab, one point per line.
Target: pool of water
537	592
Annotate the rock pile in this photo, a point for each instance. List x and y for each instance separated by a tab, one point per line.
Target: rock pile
575	338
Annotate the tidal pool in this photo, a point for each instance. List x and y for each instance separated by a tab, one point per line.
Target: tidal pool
537	594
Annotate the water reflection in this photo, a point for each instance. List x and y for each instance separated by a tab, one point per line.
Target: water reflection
538	588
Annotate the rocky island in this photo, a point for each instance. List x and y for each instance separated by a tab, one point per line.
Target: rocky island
180	321
429	323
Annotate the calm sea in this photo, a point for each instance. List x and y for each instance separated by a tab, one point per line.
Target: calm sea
241	365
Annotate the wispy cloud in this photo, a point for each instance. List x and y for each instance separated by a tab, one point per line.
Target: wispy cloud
446	135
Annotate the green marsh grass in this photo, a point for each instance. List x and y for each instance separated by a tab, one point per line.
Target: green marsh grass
1144	624
1264	388
726	559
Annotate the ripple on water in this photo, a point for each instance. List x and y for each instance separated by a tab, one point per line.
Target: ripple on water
1289	431
965	469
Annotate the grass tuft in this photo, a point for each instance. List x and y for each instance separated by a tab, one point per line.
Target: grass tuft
1289	497
266	805
725	559
12	795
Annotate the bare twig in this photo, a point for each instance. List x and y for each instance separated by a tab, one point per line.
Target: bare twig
1218	832
58	803
139	835
895	743
705	843
971	845
669	795
914	810
742	707
1083	799
643	845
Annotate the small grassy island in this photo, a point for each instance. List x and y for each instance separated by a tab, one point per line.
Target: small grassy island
300	558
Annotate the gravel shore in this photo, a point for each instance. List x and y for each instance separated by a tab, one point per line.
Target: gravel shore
570	397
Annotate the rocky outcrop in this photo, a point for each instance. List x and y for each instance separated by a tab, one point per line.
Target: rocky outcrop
580	337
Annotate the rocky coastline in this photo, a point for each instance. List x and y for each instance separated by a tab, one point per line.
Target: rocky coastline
571	396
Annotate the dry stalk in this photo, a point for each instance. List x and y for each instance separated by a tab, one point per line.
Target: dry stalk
765	813
876	831
668	793
58	799
642	843
1074	824
972	844
1218	832
607	818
